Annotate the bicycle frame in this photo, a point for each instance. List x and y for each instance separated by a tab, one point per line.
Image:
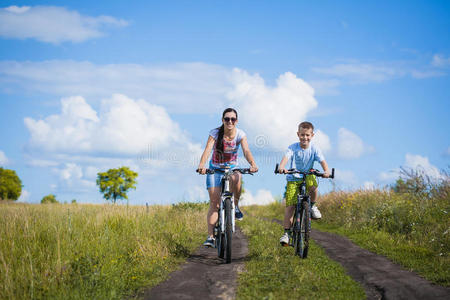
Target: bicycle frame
226	193
302	214
225	225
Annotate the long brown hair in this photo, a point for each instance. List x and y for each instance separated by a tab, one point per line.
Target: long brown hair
219	141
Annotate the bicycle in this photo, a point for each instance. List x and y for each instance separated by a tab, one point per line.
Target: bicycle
301	227
225	225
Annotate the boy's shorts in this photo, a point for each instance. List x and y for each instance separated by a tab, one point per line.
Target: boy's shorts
293	186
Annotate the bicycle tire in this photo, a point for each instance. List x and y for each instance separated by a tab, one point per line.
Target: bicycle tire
304	230
296	231
219	242
228	229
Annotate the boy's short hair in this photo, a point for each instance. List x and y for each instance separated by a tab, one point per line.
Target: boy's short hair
306	125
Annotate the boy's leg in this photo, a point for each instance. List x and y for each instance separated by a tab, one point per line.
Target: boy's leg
313	192
288	216
315	212
287	223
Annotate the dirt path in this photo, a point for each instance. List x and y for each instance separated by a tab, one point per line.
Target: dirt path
204	275
381	278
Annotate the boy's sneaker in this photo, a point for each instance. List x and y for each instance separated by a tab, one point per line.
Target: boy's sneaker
209	242
238	215
284	240
315	213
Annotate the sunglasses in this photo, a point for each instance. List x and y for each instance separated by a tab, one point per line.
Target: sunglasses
233	120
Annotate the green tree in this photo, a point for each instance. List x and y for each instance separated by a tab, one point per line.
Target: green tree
115	183
10	185
49	199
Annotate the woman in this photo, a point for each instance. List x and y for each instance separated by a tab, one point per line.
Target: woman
224	141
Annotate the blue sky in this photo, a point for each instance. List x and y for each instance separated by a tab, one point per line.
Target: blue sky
87	86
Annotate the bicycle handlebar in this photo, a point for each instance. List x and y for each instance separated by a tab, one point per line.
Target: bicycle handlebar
242	171
310	172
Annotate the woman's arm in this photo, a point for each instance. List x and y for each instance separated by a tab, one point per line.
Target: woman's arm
248	155
205	155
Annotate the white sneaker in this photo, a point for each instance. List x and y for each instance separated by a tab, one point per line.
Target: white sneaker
284	240
209	242
315	213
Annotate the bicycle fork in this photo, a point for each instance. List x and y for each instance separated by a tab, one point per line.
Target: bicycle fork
222	212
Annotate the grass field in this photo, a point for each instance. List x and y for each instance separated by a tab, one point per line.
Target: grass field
411	227
274	272
92	251
73	251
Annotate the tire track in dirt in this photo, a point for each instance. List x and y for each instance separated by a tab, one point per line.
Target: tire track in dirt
380	278
204	275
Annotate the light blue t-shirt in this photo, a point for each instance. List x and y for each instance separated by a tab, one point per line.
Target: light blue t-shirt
301	159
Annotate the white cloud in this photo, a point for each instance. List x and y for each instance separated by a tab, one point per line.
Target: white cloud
196	194
355	72
326	87
71	176
389	175
52	24
43	163
440	61
413	162
288	103
322	141
122	126
24	196
422	164
369	185
350	145
346	178
180	88
3	159
262	197
426	74
360	72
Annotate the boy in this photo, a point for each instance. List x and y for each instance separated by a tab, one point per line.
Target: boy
301	156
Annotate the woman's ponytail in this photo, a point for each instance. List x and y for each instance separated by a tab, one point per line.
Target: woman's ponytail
219	141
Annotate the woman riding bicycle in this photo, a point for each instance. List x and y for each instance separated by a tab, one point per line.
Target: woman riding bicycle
224	141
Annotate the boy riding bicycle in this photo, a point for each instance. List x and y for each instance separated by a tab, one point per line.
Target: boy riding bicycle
301	156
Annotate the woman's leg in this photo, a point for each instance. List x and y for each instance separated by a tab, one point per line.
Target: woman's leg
214	198
236	186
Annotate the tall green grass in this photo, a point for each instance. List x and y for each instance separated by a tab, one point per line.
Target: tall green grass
410	226
274	272
92	251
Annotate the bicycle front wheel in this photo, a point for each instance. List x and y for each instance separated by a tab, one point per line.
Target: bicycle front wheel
304	230
220	241
228	229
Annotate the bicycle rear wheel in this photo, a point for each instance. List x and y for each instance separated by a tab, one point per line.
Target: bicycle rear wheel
228	229
304	230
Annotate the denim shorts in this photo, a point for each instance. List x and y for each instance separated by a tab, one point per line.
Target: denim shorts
213	180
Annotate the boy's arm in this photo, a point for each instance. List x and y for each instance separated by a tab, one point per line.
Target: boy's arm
283	163
326	172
